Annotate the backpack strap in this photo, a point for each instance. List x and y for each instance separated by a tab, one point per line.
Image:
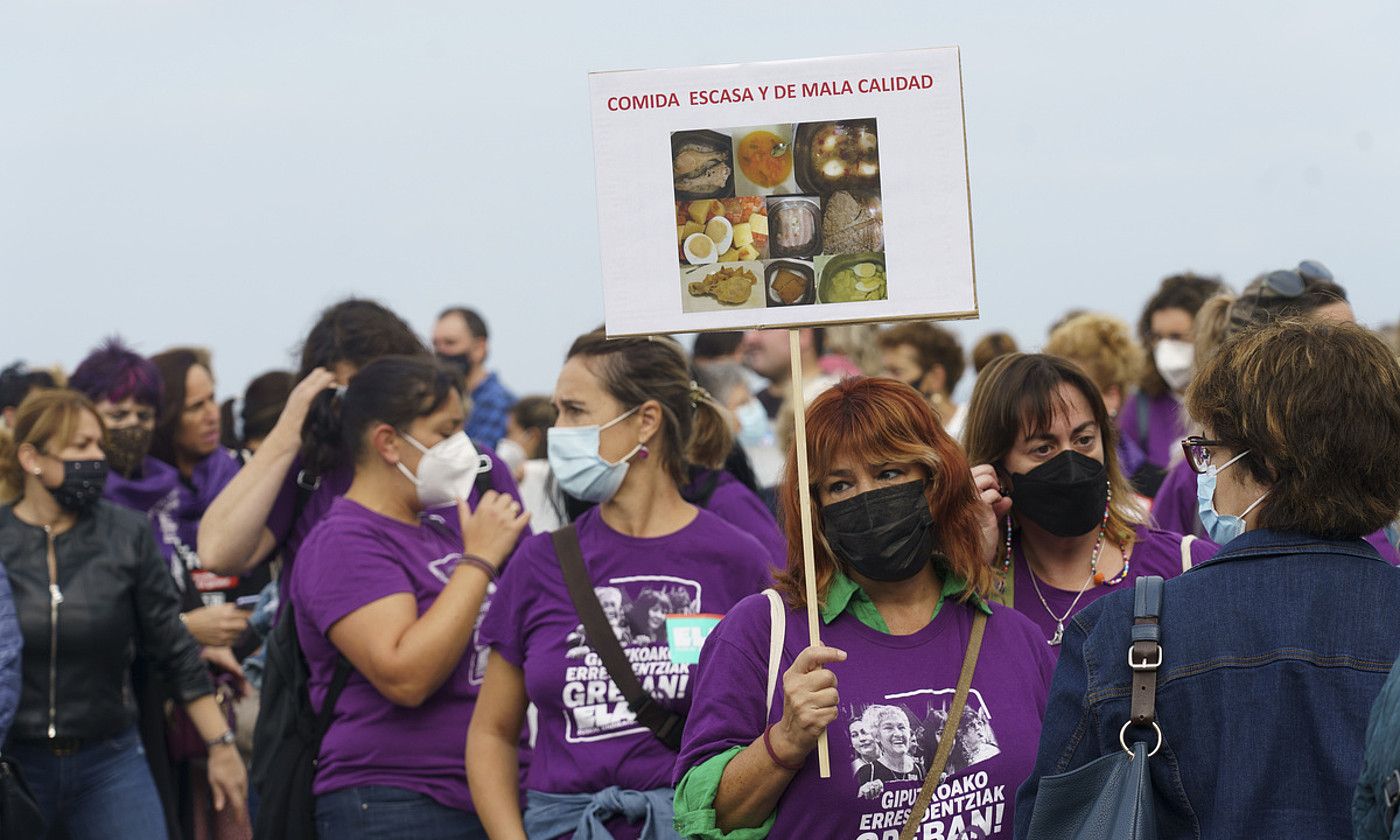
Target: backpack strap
482	482
665	724
1186	559
777	633
338	680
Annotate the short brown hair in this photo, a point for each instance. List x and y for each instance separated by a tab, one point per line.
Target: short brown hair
1317	406
45	416
1016	393
932	345
990	347
694	429
1101	344
876	419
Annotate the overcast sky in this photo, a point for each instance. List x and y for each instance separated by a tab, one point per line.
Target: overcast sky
183	172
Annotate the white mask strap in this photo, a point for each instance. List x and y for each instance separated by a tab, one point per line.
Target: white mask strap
1252	506
619	418
1220	469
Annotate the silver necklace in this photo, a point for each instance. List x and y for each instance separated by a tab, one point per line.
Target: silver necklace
1059	619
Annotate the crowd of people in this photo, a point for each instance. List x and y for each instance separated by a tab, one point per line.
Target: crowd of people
381	596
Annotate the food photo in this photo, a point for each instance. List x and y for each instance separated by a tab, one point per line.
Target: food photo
779	215
713	288
715	230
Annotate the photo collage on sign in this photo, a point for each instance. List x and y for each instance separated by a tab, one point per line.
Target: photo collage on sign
779	215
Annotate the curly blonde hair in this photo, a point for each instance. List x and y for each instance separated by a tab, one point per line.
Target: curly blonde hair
1103	346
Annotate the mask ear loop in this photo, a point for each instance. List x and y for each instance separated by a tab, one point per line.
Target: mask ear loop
640	448
1253	505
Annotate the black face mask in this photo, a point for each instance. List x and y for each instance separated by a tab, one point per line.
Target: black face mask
82	485
127	448
462	362
884	534
1066	495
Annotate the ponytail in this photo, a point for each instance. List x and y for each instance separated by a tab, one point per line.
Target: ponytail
710	435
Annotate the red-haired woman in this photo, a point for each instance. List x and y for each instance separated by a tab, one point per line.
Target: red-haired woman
901	582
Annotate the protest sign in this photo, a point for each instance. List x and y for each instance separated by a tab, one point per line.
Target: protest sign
783	193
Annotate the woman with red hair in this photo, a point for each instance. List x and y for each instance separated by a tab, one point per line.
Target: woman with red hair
901	586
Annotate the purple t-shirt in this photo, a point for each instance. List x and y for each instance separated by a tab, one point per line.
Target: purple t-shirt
742	508
1154	553
352	558
1165	422
588	739
895	692
333	485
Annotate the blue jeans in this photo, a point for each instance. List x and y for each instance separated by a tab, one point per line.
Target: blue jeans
378	811
103	790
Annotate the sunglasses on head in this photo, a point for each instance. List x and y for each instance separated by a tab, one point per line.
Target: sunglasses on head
1284	283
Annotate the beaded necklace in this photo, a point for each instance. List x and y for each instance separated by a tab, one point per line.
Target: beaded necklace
1094	572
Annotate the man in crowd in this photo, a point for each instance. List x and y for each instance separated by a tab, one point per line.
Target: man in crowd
766	353
930	359
460	337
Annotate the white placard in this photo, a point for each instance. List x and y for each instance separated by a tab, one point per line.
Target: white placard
856	165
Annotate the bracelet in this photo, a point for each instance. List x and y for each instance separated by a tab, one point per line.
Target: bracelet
480	563
225	740
773	756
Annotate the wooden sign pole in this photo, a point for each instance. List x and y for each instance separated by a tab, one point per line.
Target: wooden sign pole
804	495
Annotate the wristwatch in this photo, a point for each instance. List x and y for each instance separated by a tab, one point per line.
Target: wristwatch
225	740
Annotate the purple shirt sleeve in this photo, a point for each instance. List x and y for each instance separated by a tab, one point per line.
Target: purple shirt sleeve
732	677
503	628
347	571
740	507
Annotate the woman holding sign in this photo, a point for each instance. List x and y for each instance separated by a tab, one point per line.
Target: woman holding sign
902	583
574	627
1071	530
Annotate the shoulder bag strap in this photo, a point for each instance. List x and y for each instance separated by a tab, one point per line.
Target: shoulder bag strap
777	634
1186	558
666	725
1145	654
950	727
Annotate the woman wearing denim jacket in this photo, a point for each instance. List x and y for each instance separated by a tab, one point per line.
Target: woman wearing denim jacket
1275	649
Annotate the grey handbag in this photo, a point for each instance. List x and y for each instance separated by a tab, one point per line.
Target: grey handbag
1111	798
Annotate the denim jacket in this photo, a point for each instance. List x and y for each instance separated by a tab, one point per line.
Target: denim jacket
1273	652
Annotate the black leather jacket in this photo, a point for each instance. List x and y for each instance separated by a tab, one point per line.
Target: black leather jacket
114	593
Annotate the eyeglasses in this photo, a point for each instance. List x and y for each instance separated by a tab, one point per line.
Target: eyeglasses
1197	450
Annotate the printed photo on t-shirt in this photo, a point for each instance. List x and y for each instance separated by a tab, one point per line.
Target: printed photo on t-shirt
637	608
894	741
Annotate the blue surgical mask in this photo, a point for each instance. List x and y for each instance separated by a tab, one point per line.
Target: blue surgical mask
1220	529
579	468
754	428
